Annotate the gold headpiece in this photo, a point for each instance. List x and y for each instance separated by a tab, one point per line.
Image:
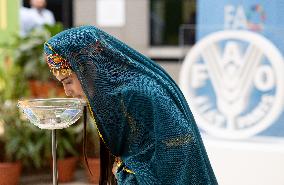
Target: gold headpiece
57	64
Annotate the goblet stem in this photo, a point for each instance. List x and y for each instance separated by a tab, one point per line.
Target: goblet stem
54	167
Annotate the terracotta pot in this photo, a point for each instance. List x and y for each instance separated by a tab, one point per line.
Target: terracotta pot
94	164
66	169
42	89
10	173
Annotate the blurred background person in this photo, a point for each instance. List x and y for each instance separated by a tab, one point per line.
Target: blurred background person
35	17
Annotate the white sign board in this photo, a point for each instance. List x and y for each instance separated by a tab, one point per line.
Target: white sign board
110	13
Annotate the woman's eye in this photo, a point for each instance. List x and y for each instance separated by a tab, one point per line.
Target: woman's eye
68	82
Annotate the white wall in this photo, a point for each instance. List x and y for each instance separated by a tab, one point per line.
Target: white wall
252	162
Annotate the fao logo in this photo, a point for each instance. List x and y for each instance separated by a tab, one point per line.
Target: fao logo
233	82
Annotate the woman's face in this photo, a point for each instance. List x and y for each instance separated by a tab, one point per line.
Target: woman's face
72	85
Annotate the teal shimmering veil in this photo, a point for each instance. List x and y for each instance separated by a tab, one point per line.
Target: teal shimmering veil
140	112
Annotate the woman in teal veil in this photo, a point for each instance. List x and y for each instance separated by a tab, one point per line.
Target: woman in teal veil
141	114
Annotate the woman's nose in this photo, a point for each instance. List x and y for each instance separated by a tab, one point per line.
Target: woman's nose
68	91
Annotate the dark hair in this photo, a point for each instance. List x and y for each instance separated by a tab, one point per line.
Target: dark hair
106	158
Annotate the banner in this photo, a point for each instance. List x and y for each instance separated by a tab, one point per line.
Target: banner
262	16
233	76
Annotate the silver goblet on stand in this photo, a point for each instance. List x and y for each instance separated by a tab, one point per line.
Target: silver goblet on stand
53	114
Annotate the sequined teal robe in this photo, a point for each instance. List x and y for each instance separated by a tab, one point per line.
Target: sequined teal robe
139	110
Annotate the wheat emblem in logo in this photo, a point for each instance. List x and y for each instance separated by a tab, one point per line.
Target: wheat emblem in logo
233	82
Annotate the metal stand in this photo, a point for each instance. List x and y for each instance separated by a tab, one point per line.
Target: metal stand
54	167
59	110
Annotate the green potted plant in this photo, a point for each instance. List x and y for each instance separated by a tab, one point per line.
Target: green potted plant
12	82
10	166
22	142
19	139
27	53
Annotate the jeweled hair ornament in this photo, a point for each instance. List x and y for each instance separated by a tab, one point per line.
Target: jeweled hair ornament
56	63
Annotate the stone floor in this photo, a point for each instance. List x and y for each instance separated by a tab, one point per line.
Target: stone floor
46	179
